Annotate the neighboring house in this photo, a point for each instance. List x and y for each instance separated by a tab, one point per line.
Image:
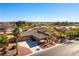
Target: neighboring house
69	27
66	27
9	30
1	31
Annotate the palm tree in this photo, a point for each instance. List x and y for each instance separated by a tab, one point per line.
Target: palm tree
16	33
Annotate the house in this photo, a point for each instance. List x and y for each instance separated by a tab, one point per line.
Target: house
1	31
33	37
36	33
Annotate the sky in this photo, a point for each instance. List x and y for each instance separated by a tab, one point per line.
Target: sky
39	12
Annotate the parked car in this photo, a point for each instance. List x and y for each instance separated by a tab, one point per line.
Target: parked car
77	38
68	42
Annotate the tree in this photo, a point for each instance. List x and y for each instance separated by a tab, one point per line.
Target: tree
5	27
71	33
3	40
17	34
50	39
3	45
21	24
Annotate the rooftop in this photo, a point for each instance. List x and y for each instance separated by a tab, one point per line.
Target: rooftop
35	32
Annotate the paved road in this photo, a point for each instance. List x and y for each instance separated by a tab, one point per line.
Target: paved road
62	50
